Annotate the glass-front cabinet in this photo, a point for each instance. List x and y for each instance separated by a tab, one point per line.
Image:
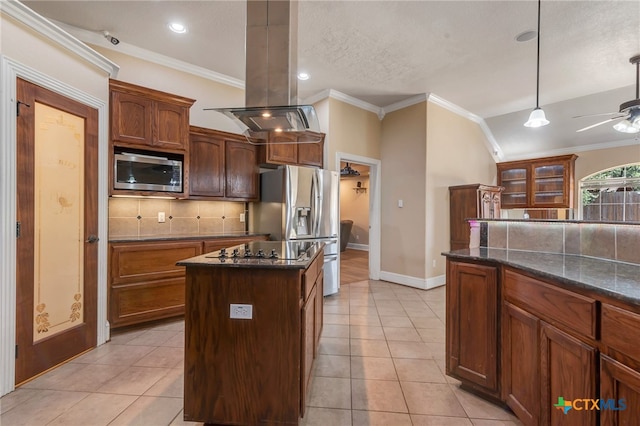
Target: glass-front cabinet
538	183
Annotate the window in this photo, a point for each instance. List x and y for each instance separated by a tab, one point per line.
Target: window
612	195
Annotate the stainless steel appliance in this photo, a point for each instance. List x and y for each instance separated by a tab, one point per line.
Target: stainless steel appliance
301	204
144	172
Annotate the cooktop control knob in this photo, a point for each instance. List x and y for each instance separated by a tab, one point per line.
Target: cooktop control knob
223	252
247	253
260	253
235	253
273	254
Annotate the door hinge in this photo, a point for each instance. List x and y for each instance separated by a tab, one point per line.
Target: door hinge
18	107
16	351
17	229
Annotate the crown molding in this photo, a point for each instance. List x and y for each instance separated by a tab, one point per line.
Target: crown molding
41	25
343	97
491	142
575	149
406	103
98	39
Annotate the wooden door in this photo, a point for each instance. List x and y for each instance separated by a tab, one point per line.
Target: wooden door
241	175
568	370
472	324
619	393
206	166
521	363
57	211
131	119
170	124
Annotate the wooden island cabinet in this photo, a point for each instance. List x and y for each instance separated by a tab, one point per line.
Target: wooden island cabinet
526	340
255	369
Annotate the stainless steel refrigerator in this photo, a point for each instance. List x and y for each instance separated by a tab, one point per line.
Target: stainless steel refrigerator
301	203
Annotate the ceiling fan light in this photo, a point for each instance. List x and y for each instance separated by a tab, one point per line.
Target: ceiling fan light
626	126
537	119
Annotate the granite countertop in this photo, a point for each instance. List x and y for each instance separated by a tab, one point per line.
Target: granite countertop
124	239
617	280
212	260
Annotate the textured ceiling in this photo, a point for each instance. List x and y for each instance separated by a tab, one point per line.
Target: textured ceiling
383	52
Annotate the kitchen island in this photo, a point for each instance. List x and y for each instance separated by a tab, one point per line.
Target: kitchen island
252	324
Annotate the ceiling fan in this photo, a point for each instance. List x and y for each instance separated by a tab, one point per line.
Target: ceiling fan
629	114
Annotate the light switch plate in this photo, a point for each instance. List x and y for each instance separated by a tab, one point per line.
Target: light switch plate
161	217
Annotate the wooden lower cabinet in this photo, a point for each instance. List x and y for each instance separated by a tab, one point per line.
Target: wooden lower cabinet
472	325
553	344
521	363
620	392
568	371
144	282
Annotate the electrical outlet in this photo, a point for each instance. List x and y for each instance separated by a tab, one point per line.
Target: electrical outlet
238	311
241	217
434	263
400	203
160	217
357	237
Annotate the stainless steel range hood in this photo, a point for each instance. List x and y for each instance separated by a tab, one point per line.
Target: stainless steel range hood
271	73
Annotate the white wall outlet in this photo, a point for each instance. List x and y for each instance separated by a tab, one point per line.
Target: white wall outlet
400	203
241	217
238	311
434	263
160	217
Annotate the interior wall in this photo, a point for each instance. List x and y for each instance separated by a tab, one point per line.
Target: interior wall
403	153
207	93
590	162
352	130
456	155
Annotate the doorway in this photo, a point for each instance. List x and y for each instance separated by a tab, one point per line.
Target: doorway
57	228
360	203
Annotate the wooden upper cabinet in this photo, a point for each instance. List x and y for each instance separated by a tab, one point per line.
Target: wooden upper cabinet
222	165
148	119
206	165
241	173
290	148
539	183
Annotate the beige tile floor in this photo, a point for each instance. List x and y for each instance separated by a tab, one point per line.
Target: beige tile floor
380	362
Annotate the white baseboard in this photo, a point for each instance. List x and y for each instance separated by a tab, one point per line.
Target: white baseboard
363	247
421	283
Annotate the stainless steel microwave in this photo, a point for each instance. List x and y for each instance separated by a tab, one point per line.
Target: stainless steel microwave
147	173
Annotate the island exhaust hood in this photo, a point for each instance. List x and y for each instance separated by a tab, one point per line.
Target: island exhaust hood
271	75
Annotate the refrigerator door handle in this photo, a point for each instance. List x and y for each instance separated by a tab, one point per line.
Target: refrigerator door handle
316	208
330	258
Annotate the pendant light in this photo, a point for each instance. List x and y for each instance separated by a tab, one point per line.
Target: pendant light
537	118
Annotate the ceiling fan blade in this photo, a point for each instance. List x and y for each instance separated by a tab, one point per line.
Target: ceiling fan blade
596	115
602	122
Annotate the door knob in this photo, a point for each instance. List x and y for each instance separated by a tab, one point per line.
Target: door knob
92	239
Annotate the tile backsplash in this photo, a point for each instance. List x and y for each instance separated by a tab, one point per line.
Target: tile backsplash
137	217
619	242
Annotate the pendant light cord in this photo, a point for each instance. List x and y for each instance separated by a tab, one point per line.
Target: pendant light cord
538	61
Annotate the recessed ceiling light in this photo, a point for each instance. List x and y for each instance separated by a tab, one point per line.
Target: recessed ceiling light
303	76
526	36
177	27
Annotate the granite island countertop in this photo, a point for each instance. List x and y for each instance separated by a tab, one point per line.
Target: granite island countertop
618	280
144	238
213	260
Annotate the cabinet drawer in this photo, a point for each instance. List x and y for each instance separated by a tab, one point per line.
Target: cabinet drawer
311	274
134	303
553	304
148	261
621	330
